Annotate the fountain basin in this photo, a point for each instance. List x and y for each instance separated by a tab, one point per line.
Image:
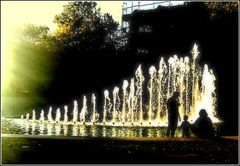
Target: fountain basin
45	128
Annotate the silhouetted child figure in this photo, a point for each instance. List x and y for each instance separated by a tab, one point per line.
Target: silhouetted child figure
185	126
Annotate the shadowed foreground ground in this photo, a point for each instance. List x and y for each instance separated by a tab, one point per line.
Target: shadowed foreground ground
36	149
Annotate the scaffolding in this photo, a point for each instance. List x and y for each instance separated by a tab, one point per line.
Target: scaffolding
130	6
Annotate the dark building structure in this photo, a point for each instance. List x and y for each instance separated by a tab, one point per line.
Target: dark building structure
130	6
167	30
154	31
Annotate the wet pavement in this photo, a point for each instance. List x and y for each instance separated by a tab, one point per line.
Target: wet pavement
67	150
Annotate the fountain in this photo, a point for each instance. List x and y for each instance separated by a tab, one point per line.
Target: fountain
50	119
58	115
139	92
116	103
33	115
84	111
127	106
41	119
75	112
95	115
107	106
27	116
65	114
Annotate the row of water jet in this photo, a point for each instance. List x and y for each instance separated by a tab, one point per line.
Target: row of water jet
142	101
79	117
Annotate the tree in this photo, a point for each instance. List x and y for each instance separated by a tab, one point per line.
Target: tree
226	7
81	26
37	35
217	9
33	33
81	30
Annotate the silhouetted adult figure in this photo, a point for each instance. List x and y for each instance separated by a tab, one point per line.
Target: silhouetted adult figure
203	126
173	114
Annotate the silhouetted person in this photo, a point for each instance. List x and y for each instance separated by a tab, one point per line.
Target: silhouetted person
185	126
203	126
173	114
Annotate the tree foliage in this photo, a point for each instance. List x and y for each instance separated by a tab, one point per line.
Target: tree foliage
218	9
81	26
34	33
227	7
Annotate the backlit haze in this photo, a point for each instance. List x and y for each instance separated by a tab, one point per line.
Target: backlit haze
15	75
